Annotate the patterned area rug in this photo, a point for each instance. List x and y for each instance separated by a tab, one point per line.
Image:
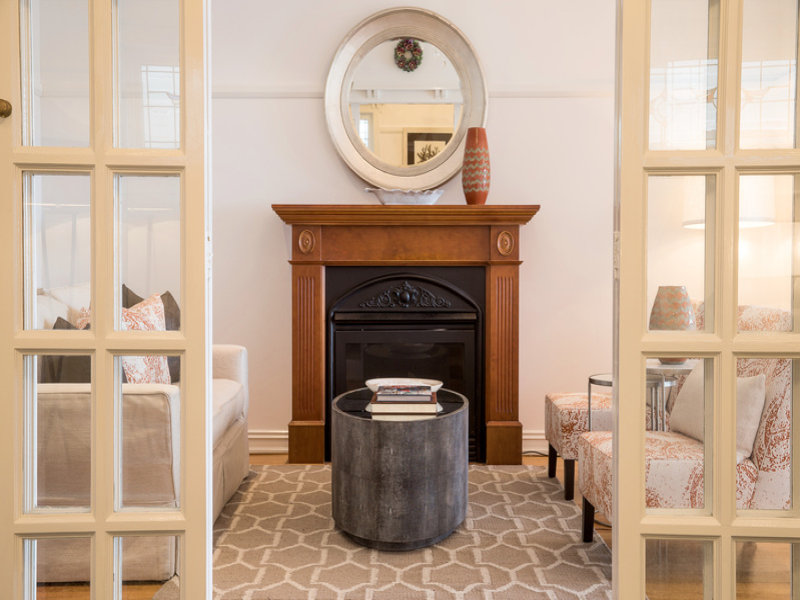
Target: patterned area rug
520	540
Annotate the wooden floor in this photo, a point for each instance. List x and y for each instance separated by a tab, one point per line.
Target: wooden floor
674	568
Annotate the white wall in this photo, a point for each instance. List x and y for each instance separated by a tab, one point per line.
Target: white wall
549	68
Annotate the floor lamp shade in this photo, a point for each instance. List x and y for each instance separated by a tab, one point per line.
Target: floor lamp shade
672	309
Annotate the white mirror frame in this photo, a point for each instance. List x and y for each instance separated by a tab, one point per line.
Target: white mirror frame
380	27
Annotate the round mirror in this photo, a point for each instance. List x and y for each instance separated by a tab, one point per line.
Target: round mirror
402	90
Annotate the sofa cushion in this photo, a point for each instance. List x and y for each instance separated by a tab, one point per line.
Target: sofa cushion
228	404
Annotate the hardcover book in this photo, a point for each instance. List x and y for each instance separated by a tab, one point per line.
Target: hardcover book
404	407
401	417
404	393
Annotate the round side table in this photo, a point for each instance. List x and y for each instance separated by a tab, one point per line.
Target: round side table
398	485
657	386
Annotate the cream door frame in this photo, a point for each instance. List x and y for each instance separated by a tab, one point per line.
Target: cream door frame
193	522
633	344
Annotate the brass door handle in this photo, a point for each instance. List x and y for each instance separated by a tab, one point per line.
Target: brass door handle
5	108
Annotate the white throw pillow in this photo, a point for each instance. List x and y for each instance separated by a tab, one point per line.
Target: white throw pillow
751	395
76	297
48	309
688	413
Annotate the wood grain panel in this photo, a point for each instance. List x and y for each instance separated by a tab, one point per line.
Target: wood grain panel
503	443
307	442
502	344
401	244
308	348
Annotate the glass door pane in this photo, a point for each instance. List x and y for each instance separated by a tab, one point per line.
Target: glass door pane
683	77
58	567
149	443
675	569
678	262
764	570
769	74
57	220
149	247
148	75
58	411
766	231
55	72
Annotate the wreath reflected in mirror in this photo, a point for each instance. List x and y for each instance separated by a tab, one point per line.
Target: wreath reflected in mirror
407	54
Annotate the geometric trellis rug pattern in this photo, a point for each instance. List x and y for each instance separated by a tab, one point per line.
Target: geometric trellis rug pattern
520	541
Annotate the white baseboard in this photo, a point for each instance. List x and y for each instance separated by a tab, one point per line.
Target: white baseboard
276	441
266	441
533	440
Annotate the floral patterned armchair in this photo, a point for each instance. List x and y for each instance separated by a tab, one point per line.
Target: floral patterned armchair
674	462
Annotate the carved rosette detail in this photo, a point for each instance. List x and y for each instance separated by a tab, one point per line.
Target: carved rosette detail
406	295
306	241
505	243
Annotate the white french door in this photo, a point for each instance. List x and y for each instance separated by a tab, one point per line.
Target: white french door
709	166
104	417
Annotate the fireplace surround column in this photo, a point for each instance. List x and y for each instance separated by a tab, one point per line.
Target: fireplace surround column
372	235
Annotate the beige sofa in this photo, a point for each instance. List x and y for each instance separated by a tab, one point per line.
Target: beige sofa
150	474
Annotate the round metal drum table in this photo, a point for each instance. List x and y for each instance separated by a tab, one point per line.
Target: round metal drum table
398	485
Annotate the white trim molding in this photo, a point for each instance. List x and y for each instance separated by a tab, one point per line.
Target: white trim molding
274	92
268	441
533	440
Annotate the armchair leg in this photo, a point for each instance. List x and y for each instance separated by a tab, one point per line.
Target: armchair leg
569	479
552	456
588	521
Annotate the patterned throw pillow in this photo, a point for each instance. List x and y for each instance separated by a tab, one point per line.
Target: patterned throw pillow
172	319
148	315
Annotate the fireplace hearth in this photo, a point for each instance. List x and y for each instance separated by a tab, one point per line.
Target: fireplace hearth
424	322
406	238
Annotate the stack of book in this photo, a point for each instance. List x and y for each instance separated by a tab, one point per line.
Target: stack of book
403	403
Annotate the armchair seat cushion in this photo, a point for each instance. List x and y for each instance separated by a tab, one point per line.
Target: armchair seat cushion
673	471
566	417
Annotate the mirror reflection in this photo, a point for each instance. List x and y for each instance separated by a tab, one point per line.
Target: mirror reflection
405	101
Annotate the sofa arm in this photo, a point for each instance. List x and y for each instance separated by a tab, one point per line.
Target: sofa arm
150	444
230	362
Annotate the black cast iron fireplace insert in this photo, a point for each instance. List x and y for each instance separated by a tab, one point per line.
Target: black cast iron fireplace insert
407	322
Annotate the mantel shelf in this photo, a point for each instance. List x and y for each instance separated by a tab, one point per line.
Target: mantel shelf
379	214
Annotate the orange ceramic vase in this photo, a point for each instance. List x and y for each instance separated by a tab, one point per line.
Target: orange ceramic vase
476	172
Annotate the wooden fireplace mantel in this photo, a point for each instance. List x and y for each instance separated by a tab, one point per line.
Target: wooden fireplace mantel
443	235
